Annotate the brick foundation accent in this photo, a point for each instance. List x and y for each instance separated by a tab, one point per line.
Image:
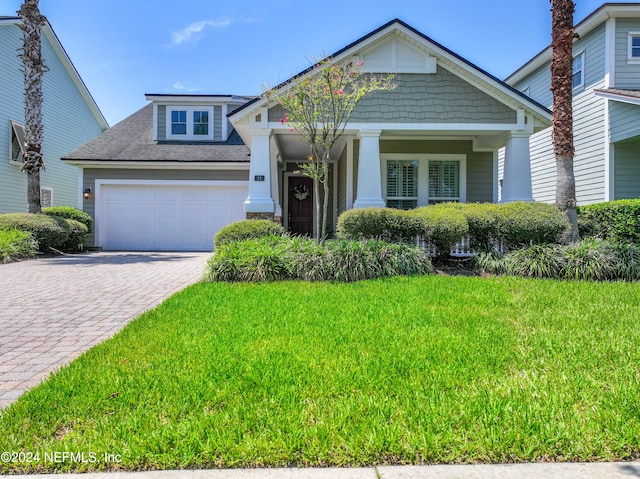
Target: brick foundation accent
260	216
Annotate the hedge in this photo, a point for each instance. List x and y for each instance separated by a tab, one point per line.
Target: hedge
246	229
385	224
443	226
524	223
48	231
617	220
71	213
78	233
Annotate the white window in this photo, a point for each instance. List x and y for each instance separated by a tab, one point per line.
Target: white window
402	184
578	70
17	142
634	47
190	123
417	180
444	181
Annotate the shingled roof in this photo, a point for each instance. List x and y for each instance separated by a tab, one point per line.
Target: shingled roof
132	140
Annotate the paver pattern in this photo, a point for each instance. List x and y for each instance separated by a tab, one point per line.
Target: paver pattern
54	309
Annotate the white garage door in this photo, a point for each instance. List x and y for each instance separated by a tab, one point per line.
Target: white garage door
167	217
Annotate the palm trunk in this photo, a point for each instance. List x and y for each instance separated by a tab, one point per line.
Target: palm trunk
562	34
32	22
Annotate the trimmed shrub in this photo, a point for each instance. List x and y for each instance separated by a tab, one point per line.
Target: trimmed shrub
524	223
614	220
443	226
246	229
71	213
385	224
482	221
78	233
281	258
48	231
16	244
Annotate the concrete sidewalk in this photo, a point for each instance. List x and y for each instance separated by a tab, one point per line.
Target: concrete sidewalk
600	470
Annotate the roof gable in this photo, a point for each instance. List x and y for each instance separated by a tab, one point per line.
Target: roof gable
396	47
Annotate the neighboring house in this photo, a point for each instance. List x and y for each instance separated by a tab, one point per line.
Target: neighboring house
169	176
70	117
606	103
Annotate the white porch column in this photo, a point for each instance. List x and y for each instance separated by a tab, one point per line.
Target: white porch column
260	199
516	182
369	175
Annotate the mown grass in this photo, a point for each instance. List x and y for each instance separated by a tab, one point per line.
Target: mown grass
404	370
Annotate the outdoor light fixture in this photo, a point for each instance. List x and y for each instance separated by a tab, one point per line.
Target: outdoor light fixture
86	193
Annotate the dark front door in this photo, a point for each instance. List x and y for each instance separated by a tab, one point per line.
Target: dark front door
301	205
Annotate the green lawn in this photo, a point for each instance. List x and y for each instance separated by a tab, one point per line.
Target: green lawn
407	370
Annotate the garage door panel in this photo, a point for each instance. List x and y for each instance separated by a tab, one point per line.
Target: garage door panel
167	217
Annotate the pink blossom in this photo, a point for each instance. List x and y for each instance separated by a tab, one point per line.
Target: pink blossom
359	63
282	121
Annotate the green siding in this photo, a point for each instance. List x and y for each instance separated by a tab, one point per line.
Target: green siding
627	75
68	123
422	98
162	122
217	123
624	121
627	170
342	181
479	164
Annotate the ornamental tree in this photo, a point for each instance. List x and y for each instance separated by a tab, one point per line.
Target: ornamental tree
318	107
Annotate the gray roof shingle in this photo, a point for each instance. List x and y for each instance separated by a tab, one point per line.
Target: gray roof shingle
132	140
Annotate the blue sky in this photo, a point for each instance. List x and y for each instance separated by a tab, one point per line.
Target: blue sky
126	48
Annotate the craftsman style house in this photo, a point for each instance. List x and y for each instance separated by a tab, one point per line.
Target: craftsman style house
169	176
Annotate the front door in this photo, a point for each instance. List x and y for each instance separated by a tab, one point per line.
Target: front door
301	205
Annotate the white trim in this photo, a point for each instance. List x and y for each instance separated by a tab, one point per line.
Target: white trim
160	165
427	127
496	180
99	183
617	97
631	60
610	53
187	99
583	69
423	172
349	179
13	131
81	188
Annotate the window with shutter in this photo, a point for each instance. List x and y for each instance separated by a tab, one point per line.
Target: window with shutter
444	181
402	184
17	142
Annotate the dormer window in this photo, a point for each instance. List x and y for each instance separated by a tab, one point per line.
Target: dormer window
189	123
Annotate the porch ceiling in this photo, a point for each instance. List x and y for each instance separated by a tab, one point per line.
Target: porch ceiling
291	146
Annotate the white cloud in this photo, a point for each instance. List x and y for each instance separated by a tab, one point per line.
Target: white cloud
190	32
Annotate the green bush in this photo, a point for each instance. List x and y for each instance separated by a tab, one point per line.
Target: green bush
385	224
614	220
71	213
78	233
524	223
48	231
280	258
443	226
591	259
246	229
482	221
16	244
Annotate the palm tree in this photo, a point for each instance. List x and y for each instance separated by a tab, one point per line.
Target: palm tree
32	22
562	35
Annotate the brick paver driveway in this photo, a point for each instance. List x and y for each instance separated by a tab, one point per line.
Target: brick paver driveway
53	309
